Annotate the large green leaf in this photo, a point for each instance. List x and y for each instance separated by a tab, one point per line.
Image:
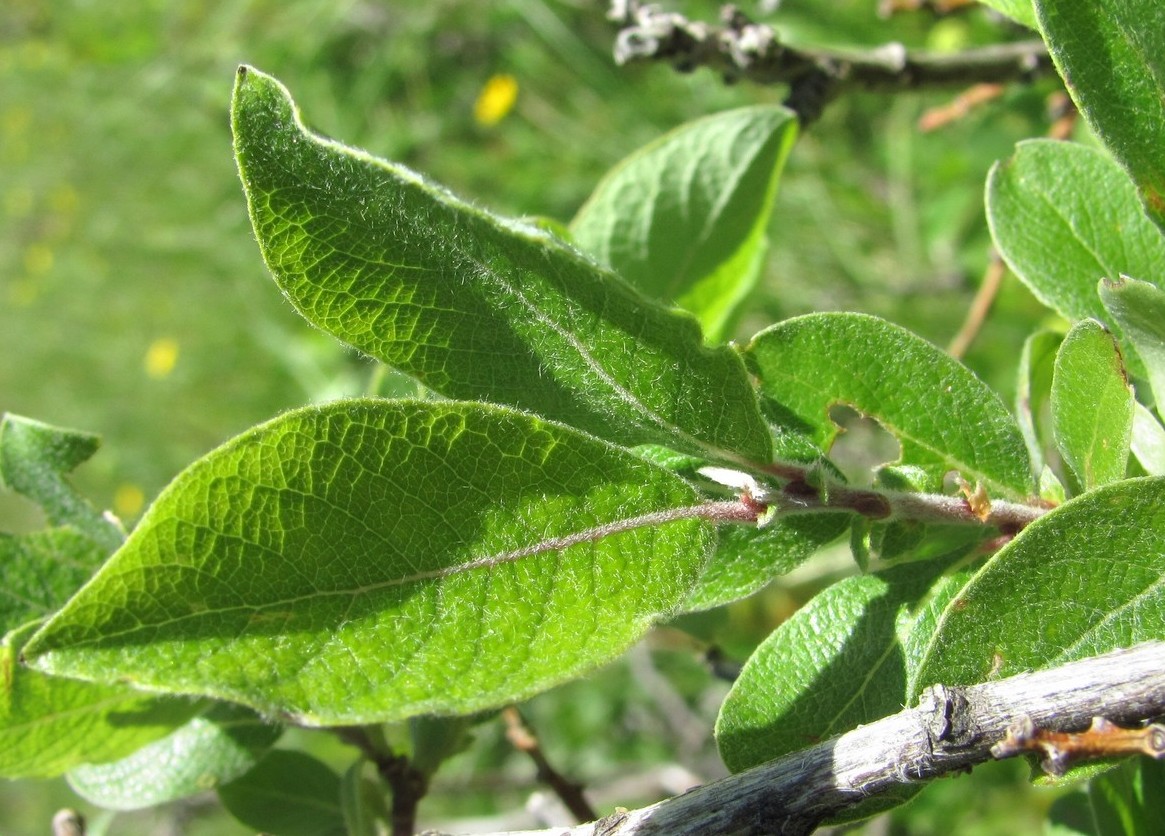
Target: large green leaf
1112	57
1139	309
50	725
943	416
474	305
371	560
1092	405
1064	216
1084	579
210	750
684	218
288	793
34	460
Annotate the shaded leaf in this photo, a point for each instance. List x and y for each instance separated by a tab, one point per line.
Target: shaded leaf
473	305
1064	216
1112	58
50	725
1139	309
210	750
684	218
34	460
287	794
40	570
839	661
362	802
1092	405
1129	799
368	561
943	416
1086	578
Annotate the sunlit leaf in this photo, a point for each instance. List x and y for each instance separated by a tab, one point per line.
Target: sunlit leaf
943	416
476	306
684	218
372	560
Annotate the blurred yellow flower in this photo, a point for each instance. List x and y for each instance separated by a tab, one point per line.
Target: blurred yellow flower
496	99
161	357
38	259
128	501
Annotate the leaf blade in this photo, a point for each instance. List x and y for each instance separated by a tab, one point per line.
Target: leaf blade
476	306
502	540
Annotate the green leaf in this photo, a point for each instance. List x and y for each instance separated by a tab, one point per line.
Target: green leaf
1148	441
684	218
1139	309
1064	216
1092	405
50	725
1112	58
34	459
40	570
210	750
838	662
1033	391
1129	799
1086	578
363	803
1021	11
747	557
943	416
368	561
476	306
287	794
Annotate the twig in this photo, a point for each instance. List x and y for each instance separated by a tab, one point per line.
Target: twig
406	784
68	822
569	792
980	306
738	48
951	729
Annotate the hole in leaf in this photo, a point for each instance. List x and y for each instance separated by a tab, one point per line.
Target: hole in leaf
862	446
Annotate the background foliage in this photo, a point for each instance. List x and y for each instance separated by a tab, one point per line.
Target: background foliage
134	298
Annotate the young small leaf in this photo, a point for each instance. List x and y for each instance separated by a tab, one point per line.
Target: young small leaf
943	416
34	459
1064	216
1148	442
474	305
1112	57
50	725
1139	309
1020	11
1084	579
210	750
288	793
684	218
1092	405
1033	391
368	561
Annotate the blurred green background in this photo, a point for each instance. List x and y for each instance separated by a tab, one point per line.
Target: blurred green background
134	304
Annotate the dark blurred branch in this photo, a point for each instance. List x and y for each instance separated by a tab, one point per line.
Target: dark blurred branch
569	792
738	48
951	730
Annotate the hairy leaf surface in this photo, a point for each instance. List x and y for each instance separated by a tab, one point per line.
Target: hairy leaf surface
943	416
371	560
684	218
1139	309
1064	216
210	750
1086	578
1112	58
476	306
1092	405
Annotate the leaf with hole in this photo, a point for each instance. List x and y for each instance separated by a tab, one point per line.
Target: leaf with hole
368	561
943	416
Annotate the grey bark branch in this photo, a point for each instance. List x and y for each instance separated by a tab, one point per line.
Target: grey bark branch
739	48
949	731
